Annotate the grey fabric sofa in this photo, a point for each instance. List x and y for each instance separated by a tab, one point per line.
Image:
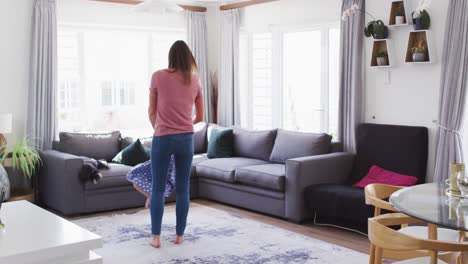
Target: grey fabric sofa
268	172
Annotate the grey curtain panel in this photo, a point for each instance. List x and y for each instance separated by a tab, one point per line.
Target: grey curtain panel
454	80
42	114
198	42
228	93
351	75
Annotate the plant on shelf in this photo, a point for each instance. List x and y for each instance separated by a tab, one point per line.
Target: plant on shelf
419	54
375	28
400	15
24	157
382	58
421	18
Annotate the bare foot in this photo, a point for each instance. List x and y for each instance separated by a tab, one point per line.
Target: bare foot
179	239
147	204
155	241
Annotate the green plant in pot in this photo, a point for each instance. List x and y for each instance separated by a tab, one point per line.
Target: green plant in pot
400	15
419	54
421	18
382	58
24	157
376	29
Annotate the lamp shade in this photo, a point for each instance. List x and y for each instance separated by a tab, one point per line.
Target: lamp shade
6	121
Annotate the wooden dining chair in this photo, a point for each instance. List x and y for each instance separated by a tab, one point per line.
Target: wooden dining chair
376	195
385	238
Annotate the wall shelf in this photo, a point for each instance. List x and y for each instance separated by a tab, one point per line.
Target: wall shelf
419	38
398	5
380	45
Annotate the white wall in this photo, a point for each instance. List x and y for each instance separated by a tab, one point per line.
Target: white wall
15	27
412	96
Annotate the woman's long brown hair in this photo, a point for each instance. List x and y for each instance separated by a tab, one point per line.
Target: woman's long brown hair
181	59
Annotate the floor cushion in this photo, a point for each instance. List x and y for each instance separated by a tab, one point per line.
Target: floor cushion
269	176
223	169
115	176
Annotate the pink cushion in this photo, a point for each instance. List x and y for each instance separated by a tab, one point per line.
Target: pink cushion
383	176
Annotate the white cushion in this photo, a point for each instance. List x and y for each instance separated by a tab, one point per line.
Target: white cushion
423	260
443	234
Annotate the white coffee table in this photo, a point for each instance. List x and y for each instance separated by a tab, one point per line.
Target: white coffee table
34	235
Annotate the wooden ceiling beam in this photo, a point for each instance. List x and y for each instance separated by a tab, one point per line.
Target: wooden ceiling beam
136	2
244	4
193	8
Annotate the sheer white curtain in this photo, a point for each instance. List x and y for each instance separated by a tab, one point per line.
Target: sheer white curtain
197	41
228	94
42	112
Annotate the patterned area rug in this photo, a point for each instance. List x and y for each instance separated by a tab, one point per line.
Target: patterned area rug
212	237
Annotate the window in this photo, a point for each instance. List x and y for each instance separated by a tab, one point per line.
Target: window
104	75
289	79
256	80
117	93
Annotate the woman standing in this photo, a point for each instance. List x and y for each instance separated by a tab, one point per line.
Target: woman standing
173	93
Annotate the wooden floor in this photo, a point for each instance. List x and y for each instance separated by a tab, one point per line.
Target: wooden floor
332	235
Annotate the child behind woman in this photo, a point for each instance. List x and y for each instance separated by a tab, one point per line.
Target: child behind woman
141	177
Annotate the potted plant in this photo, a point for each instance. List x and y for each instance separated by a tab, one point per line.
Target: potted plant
419	54
421	18
382	58
400	15
23	157
376	29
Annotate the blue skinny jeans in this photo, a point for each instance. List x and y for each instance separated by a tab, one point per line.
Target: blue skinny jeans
181	146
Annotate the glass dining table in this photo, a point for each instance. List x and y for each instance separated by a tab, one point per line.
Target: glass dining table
430	203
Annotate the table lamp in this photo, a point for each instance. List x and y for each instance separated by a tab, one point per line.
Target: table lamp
6	121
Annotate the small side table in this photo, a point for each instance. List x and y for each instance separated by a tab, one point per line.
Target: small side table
17	194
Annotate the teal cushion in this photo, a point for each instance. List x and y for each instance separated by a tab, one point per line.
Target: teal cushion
132	155
221	143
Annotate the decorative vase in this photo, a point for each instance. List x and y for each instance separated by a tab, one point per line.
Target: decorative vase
4	183
383	35
455	169
382	61
462	183
399	20
419	57
417	23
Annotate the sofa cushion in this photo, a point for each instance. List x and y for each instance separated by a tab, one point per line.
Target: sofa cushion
96	146
223	169
290	145
383	176
253	144
199	138
197	158
115	176
334	201
132	155
220	144
269	176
